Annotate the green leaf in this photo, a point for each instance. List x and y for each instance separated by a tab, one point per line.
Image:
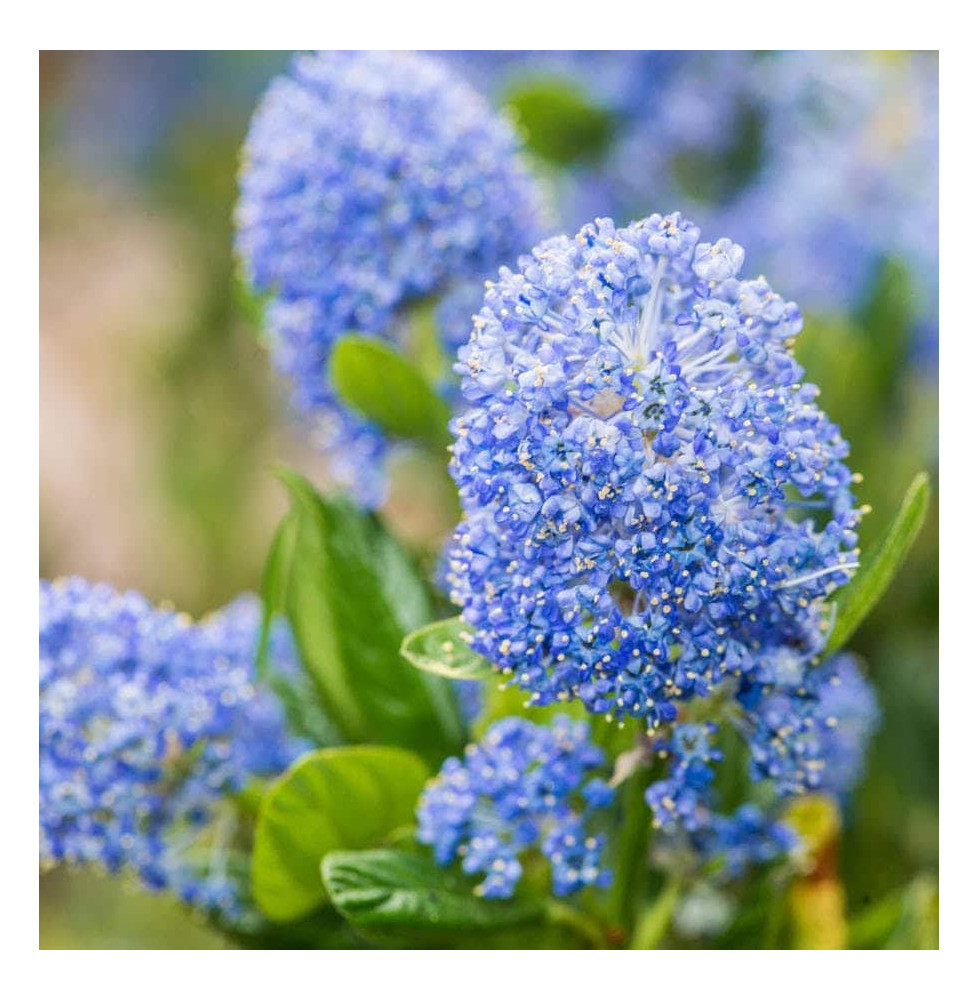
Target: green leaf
657	919
274	581
861	594
387	389
352	595
887	318
297	694
402	896
250	303
443	648
344	797
559	122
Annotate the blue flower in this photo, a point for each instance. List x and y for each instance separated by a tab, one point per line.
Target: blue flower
639	468
809	729
523	786
683	811
371	181
148	722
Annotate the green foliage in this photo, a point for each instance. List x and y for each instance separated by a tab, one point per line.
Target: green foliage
861	594
442	648
249	303
399	897
886	319
351	595
655	921
710	177
905	919
387	389
345	797
559	122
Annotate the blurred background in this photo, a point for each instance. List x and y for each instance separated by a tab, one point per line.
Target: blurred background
161	419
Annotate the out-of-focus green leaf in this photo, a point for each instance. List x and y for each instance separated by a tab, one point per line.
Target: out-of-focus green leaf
919	924
402	897
559	122
443	648
387	389
887	319
249	303
861	594
344	797
351	597
905	919
654	923
274	581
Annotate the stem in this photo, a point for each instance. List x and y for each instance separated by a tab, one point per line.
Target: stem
566	916
631	865
656	920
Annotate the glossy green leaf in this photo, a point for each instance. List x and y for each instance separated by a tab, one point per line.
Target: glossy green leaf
387	389
402	896
443	648
344	797
351	597
860	595
296	691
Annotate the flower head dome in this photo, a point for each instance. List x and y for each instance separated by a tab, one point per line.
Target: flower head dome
146	721
371	180
651	495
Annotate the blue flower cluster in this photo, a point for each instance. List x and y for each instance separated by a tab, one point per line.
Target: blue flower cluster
147	722
823	163
640	470
848	176
809	729
371	180
682	809
523	786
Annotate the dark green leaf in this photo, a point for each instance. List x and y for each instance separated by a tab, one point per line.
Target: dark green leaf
297	693
861	594
443	648
558	120
344	797
351	597
887	318
401	896
387	389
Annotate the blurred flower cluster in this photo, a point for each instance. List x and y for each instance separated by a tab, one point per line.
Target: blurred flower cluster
148	722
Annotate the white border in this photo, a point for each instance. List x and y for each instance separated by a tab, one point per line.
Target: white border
499	24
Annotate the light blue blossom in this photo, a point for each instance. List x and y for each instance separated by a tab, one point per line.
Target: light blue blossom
683	811
148	722
809	729
371	181
639	469
522	786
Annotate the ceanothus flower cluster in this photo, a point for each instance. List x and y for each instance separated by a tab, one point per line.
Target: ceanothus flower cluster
640	468
683	810
808	729
522	786
848	177
147	723
371	180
